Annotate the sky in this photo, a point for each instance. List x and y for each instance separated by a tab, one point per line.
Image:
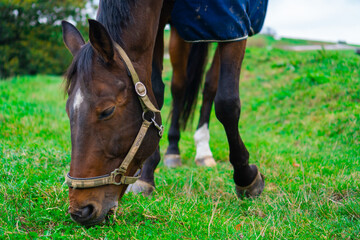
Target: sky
328	20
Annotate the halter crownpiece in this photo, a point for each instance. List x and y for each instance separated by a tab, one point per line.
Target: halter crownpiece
118	173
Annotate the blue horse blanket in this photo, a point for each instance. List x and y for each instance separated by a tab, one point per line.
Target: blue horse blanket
218	20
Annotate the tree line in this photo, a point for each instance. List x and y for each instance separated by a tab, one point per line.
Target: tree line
31	38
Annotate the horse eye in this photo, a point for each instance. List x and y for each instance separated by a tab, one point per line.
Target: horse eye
107	113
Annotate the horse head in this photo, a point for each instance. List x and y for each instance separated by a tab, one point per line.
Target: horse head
112	122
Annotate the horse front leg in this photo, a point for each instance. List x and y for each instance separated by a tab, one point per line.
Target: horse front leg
248	180
146	183
204	155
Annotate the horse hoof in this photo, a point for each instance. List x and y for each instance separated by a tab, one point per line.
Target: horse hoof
140	187
172	160
254	189
206	161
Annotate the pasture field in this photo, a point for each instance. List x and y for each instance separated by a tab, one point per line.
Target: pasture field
300	121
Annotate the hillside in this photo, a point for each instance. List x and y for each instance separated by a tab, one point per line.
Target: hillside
300	121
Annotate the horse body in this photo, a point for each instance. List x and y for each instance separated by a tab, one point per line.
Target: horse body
244	18
222	87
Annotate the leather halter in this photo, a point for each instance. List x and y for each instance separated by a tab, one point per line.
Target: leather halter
147	106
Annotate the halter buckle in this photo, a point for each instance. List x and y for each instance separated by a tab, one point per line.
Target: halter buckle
140	89
117	172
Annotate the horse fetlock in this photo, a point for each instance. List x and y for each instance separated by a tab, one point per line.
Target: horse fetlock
140	187
254	189
172	160
204	155
208	161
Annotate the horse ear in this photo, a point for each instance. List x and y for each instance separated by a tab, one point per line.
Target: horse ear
72	37
101	40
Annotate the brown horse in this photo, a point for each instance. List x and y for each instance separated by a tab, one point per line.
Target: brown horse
112	106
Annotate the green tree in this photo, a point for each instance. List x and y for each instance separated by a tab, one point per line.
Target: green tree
31	38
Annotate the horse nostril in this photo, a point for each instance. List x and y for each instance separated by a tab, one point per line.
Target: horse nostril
87	211
83	214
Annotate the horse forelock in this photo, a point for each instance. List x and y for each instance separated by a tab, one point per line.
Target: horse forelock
80	68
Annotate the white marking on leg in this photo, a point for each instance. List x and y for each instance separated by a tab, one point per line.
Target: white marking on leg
79	98
202	138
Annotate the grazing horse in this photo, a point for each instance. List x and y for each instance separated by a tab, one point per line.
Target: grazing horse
114	91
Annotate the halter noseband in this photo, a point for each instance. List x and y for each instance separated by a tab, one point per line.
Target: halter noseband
147	106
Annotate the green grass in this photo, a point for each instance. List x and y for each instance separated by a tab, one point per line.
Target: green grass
300	121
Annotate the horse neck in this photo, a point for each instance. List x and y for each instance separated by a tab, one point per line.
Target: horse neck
138	35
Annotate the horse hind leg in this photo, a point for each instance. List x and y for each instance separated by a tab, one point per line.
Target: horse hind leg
204	156
248	180
179	51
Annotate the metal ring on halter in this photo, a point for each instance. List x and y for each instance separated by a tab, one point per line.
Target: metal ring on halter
117	172
141	92
151	118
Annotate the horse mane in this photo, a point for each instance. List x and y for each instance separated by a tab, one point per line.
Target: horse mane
114	15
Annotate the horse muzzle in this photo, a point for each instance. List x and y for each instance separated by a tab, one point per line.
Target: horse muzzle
91	214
